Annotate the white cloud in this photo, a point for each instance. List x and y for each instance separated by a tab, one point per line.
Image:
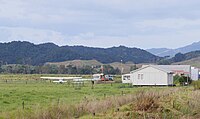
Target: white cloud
82	36
101	23
33	35
168	23
67	10
177	39
91	39
12	9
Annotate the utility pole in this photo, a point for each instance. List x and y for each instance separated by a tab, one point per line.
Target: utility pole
121	68
187	79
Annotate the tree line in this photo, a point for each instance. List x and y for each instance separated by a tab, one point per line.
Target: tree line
54	69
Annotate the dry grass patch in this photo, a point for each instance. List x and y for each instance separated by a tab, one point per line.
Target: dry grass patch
146	101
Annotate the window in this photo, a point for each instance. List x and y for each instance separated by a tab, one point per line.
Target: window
142	76
126	78
138	76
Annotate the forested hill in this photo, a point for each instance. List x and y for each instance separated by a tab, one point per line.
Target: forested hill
18	52
187	56
190	58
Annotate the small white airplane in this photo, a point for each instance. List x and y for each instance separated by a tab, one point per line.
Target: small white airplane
61	79
96	77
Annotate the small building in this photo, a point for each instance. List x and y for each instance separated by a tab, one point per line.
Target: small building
126	78
183	70
151	75
194	73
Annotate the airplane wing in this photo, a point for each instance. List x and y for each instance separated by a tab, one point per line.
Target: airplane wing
92	79
59	81
82	79
61	78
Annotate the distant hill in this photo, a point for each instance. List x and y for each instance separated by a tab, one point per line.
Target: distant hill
80	63
160	51
195	62
125	67
18	52
190	58
179	57
77	63
171	52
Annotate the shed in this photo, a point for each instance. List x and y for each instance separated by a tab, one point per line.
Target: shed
194	73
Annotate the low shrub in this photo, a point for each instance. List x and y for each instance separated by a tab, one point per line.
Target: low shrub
146	101
196	85
182	80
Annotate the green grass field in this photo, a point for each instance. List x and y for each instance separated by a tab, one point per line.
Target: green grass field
23	95
37	93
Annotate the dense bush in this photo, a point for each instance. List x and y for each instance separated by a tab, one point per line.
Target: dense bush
181	80
54	69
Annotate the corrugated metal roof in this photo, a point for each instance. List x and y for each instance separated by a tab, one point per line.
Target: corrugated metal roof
154	66
186	69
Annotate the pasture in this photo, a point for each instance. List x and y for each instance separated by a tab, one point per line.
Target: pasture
25	96
29	92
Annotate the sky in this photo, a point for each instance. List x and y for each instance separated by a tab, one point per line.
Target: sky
101	23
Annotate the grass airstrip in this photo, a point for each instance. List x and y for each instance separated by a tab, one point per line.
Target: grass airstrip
27	96
36	92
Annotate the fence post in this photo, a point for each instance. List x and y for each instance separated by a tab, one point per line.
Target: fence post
58	101
23	104
92	84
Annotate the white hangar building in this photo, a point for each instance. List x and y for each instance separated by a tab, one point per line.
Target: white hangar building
177	69
159	74
151	75
185	70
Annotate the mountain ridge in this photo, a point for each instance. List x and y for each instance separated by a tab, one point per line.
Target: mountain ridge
23	52
171	52
195	62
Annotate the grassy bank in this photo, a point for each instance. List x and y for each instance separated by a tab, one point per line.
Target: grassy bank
181	103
